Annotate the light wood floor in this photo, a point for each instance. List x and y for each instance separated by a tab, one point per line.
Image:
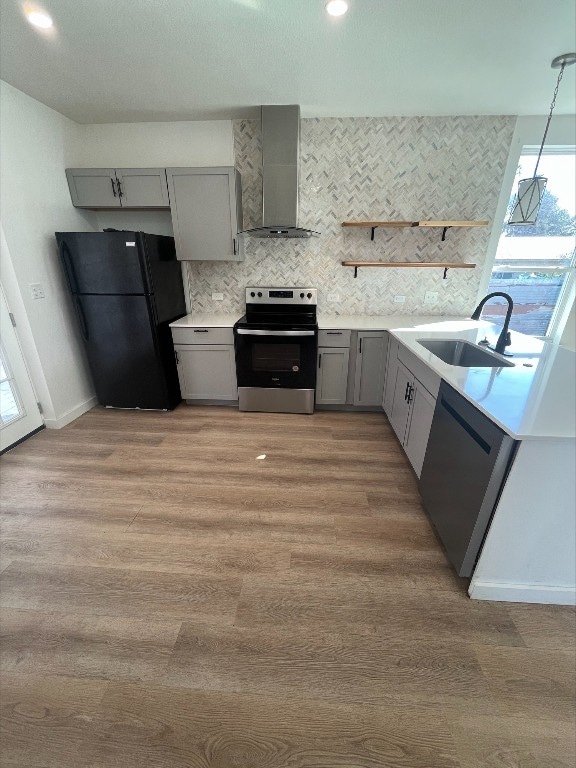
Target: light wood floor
169	601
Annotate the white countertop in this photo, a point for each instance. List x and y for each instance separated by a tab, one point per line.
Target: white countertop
535	398
373	322
325	322
196	320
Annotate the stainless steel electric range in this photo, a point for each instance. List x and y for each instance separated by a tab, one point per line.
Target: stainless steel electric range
276	345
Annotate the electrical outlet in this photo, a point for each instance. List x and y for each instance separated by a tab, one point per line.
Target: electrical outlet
399	299
37	291
217	297
333	297
430	297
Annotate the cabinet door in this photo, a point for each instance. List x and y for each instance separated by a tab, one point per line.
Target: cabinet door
204	213
390	378
423	405
93	187
332	379
142	187
400	405
207	372
370	357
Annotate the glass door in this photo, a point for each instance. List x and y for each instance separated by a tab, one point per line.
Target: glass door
19	414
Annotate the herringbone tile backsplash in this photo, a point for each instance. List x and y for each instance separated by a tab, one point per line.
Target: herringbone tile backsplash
371	168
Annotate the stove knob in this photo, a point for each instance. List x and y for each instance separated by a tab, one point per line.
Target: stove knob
309	295
252	294
259	294
301	295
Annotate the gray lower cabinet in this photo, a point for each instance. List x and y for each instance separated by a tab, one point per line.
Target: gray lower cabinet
419	426
370	367
400	405
390	378
136	188
206	371
411	415
206	206
332	375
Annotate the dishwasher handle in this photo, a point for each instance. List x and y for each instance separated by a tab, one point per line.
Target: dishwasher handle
486	447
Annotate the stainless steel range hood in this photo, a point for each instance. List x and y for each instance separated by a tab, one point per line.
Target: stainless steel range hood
280	174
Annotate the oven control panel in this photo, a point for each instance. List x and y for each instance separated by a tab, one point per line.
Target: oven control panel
288	296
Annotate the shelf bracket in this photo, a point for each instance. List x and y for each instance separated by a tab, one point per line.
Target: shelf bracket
444	230
355	271
373	229
445	273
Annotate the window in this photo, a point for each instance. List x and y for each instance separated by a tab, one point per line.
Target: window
534	263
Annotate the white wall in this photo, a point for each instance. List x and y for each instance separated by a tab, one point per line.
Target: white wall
151	145
530	551
35	203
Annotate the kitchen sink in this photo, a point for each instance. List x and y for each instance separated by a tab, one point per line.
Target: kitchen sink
463	353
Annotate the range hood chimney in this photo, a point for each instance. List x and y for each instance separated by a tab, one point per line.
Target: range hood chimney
280	174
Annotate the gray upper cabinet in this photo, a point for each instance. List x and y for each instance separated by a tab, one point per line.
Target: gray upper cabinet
93	187
142	187
206	206
118	187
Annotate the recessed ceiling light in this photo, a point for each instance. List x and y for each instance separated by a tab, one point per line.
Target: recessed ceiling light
39	19
336	7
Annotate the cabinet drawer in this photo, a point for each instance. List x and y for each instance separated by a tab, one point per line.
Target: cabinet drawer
334	338
427	377
202	335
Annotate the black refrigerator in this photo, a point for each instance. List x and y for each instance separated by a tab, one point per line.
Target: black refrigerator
126	289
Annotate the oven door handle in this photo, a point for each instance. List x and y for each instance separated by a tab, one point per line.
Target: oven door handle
247	332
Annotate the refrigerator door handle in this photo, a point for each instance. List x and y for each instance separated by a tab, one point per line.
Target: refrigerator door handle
82	318
69	264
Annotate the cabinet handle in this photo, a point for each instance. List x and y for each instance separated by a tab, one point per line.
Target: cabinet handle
176	356
334	333
234	246
120	193
200	330
406	391
360	350
410	393
319	361
113	187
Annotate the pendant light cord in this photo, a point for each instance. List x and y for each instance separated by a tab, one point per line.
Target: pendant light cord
549	117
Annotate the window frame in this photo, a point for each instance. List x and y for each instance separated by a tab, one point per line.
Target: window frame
527	137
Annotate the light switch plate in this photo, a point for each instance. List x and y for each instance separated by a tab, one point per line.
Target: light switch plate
333	297
37	291
430	297
217	297
399	299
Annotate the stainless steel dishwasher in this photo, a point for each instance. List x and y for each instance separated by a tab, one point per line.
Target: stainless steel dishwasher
466	462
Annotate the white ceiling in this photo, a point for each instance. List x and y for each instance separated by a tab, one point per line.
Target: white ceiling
142	60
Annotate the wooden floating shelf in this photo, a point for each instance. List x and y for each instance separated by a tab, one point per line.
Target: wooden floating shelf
437	264
376	224
442	264
444	225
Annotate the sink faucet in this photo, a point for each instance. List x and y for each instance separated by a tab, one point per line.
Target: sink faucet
504	339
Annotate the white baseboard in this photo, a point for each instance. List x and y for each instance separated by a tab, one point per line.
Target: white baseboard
71	415
522	593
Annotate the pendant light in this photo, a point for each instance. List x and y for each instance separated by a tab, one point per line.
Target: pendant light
530	191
